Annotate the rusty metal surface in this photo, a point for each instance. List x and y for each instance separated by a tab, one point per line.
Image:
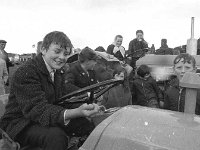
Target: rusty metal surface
142	128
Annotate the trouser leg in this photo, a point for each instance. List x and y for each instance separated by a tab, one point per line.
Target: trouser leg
48	138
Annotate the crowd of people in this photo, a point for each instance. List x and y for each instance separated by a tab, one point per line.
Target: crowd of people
32	116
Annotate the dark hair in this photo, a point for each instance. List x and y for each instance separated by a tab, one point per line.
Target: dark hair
186	58
139	31
118	36
143	70
87	54
118	70
100	49
3	41
57	37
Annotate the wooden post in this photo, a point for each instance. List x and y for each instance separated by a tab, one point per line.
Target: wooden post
191	81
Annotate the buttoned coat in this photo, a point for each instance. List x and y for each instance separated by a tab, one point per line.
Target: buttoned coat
76	77
32	97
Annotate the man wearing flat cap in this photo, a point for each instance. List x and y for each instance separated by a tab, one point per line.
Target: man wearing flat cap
4	54
81	73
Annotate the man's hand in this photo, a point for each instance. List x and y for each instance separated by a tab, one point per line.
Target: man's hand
85	110
88	110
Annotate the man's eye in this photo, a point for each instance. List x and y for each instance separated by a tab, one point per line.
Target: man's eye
187	68
178	67
57	51
66	53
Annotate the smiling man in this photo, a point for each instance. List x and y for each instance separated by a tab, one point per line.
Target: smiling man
31	118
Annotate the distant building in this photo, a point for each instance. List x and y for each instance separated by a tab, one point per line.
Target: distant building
11	56
26	57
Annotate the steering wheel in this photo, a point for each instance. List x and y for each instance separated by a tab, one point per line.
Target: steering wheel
81	95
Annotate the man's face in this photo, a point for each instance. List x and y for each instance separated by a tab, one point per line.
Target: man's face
55	56
139	36
90	64
181	68
120	76
2	46
118	41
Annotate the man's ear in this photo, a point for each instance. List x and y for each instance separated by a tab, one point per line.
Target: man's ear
195	69
43	51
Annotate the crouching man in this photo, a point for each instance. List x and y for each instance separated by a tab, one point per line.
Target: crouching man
31	118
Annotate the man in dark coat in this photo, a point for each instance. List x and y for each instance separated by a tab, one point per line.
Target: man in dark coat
137	44
31	116
81	73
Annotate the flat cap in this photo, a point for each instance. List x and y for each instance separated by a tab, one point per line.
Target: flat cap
3	41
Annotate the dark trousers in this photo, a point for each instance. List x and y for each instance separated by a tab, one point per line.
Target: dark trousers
54	138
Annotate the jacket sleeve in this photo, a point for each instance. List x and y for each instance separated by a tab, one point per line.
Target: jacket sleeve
105	98
130	47
157	90
5	73
70	81
32	100
144	44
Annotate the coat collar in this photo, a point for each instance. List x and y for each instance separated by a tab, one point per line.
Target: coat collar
80	69
41	64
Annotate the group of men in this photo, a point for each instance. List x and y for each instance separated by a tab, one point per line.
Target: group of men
31	116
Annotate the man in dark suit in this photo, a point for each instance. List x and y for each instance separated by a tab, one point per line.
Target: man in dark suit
31	116
81	73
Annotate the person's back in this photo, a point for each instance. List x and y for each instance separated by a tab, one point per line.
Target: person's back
164	49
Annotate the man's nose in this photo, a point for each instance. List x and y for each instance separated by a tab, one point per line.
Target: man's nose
62	56
183	70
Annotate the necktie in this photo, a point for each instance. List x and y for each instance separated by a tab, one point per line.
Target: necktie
52	75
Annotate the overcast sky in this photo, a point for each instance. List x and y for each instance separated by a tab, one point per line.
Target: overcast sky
95	23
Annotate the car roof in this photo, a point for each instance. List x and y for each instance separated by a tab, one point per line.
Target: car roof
142	128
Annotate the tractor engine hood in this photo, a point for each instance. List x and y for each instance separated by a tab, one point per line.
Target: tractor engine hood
142	128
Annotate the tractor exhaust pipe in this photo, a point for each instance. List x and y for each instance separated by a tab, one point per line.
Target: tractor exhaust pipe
192	43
